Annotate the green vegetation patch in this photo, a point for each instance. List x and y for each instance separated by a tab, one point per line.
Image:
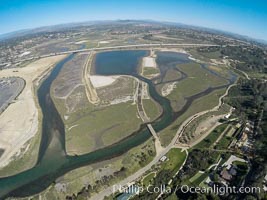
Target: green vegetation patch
198	80
212	54
224	142
172	75
101	127
211	138
151	108
148	178
148	71
198	178
175	160
231	132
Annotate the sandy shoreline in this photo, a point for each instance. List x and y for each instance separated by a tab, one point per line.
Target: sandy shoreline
19	122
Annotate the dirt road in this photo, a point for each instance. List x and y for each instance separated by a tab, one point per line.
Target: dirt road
89	88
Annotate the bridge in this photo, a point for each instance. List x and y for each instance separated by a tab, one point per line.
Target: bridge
152	131
158	147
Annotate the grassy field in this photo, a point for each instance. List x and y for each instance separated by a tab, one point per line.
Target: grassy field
231	131
226	139
198	178
171	74
198	80
175	160
204	103
100	127
146	181
211	138
151	108
178	103
205	56
224	142
212	55
148	71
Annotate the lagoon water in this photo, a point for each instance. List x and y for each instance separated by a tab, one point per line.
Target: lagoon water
118	62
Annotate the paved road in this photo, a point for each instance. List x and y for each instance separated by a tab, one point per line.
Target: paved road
110	190
118	47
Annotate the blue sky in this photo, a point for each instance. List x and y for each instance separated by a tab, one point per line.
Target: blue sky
245	17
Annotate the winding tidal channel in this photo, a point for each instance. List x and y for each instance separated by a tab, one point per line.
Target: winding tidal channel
53	161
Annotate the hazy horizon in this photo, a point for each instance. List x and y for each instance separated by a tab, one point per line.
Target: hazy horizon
88	21
240	17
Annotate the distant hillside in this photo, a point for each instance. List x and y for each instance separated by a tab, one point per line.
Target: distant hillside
59	27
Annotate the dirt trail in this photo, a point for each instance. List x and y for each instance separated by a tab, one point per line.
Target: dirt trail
89	88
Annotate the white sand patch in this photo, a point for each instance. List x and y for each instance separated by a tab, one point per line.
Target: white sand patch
194	59
144	93
149	62
81	42
178	50
104	42
168	88
218	62
25	53
101	81
168	38
122	100
85	53
19	122
72	127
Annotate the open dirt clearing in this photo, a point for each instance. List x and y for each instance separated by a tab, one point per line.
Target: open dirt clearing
168	88
204	128
101	81
149	62
123	89
19	122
